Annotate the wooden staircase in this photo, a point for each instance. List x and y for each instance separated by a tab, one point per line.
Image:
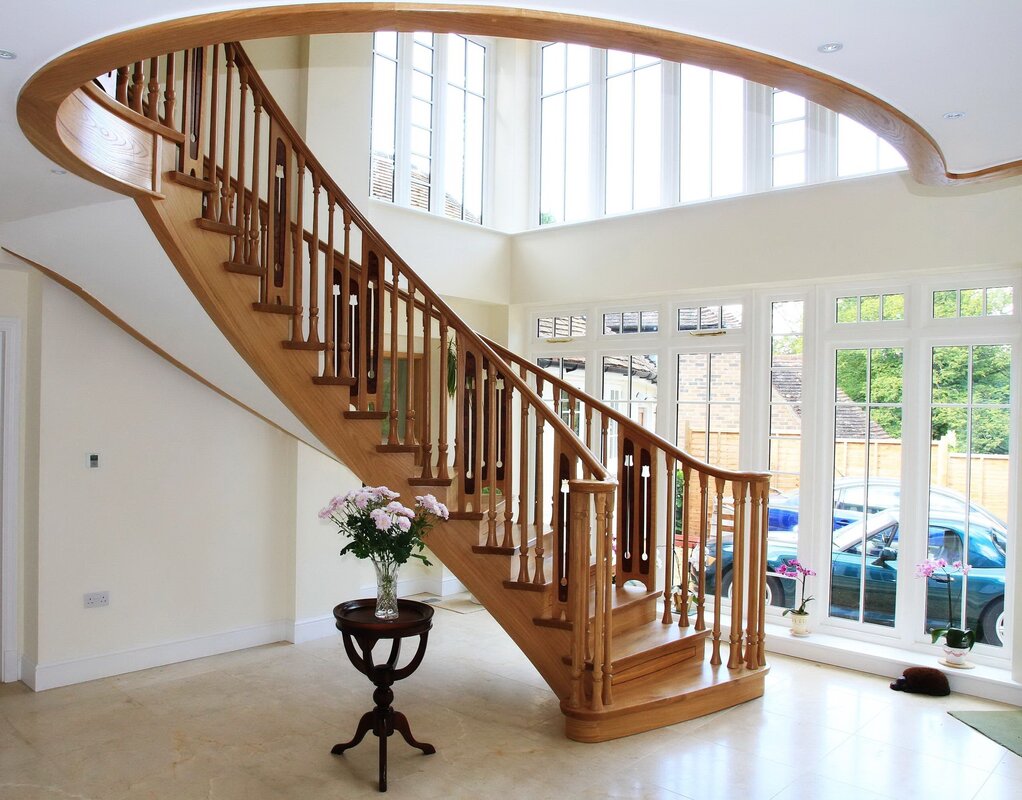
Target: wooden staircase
569	521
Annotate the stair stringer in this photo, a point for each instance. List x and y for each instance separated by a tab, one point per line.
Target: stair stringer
199	255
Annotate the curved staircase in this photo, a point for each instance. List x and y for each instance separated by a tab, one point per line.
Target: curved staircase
569	521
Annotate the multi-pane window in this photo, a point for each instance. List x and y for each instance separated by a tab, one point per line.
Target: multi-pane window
631	322
572	370
709	406
868	391
564	133
633	147
789	117
712	133
429	111
463	153
994	301
630	386
785	445
561	327
870	308
970	441
696	319
860	151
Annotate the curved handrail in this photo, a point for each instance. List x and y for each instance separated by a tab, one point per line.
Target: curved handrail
637	430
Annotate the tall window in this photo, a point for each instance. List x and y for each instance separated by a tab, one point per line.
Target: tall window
429	123
564	123
860	151
712	133
709	406
633	132
630	386
788	138
785	445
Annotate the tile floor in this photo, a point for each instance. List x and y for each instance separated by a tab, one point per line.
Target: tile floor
260	724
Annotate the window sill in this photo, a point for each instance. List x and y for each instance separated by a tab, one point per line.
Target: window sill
992	683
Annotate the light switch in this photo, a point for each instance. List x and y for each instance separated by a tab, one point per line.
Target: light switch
93	460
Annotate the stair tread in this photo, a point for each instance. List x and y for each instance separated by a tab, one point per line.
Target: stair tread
620	598
669	687
651	641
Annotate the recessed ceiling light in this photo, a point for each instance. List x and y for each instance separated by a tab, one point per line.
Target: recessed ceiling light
830	47
955	115
8	55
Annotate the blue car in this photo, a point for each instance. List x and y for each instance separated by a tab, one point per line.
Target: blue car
877	548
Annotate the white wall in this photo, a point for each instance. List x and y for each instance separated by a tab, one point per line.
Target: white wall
187	522
875	225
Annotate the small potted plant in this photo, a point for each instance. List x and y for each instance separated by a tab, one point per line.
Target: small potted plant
957	642
384	531
793	568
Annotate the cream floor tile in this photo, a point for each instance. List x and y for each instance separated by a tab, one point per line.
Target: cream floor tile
999	787
818	787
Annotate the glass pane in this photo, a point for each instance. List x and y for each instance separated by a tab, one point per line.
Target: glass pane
726	378
856	148
869	308
990	435
723	435
886	377
894	307
420	140
888	157
695	132
645	61
692	425
551	201
578	65
991	374
728	134
790	137
789	170
646	122
786	351
553	68
709	317
422	59
630	322
999	301
422	86
385	43
688	319
545	327
945	304
950	375
561	328
650	321
847	309
949	430
732	316
786	385
615	379
455	59
574	371
424	37
851	376
972	302
619	144
474	154
693	378
475	67
454	154
788	106
618	61
787	317
578	325
577	156
785	420
612	323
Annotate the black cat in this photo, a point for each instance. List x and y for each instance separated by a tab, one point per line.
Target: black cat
923	680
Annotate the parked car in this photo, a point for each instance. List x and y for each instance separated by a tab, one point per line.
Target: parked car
984	611
884	493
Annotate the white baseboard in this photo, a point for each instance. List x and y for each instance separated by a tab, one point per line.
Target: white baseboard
64	673
28	672
305	630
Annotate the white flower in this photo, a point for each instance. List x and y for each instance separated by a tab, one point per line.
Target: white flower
431	505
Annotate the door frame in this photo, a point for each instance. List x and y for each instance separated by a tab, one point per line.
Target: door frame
10	447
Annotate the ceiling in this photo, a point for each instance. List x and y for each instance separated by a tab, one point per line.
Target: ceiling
952	58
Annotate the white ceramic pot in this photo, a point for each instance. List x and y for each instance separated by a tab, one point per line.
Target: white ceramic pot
799	624
955	656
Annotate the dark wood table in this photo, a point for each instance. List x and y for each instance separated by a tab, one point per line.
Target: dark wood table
358	624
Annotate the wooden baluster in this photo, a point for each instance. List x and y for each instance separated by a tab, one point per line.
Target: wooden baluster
426	412
589	427
153	90
314	261
462	410
607	528
538	575
444	405
602	568
604	433
411	394
764	528
241	205
719	539
345	304
298	259
169	92
121	92
738	493
360	336
669	547
523	487
212	176
649	507
490	417
137	85
329	296
686	566
579	592
704	529
253	251
226	190
392	437
756	588
507	463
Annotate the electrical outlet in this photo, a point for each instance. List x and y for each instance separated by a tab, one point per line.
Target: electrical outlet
96	599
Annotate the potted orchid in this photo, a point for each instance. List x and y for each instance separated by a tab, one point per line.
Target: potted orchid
384	531
957	642
793	568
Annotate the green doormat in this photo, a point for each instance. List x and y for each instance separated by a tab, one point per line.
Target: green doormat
1004	727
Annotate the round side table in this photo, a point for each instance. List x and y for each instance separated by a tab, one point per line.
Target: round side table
357	622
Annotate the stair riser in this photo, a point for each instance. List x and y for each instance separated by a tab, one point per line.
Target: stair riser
639	667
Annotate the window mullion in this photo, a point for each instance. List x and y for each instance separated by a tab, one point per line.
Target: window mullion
598	132
821	143
437	189
670	137
403	176
757	137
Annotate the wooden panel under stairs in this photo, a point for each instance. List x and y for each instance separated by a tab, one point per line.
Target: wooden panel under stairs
632	607
651	648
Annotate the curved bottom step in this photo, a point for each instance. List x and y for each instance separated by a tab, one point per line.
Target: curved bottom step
665	698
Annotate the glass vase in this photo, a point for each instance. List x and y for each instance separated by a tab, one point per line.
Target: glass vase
386	588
